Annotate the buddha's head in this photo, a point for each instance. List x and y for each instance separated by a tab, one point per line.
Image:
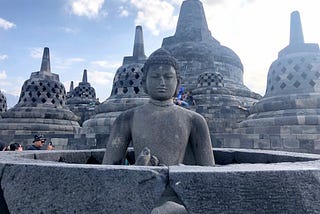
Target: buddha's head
161	78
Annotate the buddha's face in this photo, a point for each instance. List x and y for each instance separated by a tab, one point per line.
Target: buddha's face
161	82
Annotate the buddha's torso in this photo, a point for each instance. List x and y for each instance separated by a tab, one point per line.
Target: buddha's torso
165	130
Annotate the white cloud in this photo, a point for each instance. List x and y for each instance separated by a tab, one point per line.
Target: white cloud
88	8
72	60
6	84
65	63
3	56
106	64
175	2
70	30
6	24
123	12
100	78
3	75
36	53
155	15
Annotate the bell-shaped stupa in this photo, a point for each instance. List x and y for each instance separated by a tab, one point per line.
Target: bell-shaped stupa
82	99
127	92
41	109
288	116
3	103
203	63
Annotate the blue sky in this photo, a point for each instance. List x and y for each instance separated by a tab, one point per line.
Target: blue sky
97	34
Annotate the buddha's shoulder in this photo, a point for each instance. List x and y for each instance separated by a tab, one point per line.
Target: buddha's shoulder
187	112
125	115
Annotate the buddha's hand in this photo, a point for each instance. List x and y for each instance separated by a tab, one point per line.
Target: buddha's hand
146	159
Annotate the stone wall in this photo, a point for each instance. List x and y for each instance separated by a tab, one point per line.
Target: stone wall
244	181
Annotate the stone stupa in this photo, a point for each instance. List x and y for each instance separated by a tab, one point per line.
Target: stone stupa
127	92
212	72
3	103
82	99
288	116
41	109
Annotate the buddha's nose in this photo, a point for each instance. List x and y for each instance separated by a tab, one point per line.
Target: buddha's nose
162	82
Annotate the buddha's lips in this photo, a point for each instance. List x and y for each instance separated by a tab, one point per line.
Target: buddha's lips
161	89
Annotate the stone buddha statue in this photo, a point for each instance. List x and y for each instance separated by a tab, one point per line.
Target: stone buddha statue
159	129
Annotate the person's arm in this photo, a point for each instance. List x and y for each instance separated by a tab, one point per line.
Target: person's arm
201	142
119	140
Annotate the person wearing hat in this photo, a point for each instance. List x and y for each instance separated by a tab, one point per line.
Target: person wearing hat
38	142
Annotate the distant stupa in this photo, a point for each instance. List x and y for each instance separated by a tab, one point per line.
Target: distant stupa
3	103
288	116
41	110
82	99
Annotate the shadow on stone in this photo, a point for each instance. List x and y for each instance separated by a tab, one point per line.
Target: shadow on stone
3	203
92	160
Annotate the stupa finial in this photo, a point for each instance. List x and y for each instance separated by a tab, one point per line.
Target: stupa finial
45	64
192	22
297	43
138	48
296	34
71	86
84	77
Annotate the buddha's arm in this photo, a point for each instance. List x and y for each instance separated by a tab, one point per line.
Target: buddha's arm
119	140
201	142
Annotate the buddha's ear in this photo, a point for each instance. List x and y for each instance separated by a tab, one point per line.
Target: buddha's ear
178	86
144	80
144	86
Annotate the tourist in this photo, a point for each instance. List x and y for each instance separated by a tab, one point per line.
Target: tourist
50	146
160	126
189	99
180	92
38	142
181	103
15	147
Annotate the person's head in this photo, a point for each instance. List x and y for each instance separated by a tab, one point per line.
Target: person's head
15	147
39	140
160	75
50	146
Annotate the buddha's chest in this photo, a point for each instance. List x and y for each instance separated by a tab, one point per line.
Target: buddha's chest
160	128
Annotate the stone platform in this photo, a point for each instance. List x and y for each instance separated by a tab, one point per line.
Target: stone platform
244	181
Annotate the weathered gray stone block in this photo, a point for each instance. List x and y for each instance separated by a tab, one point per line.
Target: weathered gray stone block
47	188
248	189
290	142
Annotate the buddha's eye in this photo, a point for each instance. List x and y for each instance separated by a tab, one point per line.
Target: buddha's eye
168	76
154	76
